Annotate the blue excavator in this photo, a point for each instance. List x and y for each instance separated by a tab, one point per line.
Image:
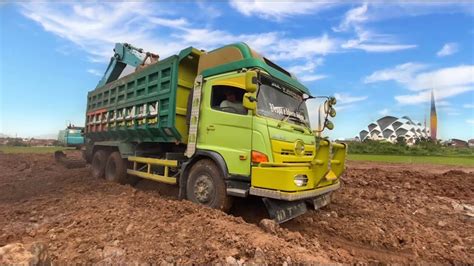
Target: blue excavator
126	54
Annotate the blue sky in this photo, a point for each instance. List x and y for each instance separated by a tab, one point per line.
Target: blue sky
376	58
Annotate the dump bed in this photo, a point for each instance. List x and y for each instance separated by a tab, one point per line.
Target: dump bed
148	105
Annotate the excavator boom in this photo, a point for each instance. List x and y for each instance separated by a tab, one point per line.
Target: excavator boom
124	54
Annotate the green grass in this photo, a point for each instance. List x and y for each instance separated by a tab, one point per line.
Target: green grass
464	160
15	149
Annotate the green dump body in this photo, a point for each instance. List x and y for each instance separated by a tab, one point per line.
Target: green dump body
148	105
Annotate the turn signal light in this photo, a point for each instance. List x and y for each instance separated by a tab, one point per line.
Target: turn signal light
258	157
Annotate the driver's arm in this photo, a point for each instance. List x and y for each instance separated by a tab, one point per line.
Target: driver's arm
224	103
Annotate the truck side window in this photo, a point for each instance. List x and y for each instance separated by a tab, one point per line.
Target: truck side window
228	99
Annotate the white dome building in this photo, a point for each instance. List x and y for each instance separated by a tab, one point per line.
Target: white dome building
389	128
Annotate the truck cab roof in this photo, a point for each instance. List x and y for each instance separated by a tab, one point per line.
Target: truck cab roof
237	56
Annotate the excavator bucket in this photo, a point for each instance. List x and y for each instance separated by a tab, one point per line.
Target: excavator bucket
69	163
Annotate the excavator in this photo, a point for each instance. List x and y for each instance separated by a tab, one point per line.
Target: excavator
126	54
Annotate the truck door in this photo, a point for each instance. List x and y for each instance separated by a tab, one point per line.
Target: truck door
225	126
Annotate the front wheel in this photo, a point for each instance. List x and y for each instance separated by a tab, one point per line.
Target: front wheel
206	186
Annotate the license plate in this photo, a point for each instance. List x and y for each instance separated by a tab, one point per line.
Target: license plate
321	201
281	211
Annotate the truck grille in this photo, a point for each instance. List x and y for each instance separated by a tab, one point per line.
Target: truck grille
284	152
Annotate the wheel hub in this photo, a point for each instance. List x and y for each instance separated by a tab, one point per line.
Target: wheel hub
204	189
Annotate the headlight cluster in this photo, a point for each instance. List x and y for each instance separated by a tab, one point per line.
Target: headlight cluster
301	180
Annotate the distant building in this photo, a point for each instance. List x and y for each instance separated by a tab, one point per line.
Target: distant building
390	128
41	142
457	143
470	143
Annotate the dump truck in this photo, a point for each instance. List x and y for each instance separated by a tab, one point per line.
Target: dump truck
219	124
71	136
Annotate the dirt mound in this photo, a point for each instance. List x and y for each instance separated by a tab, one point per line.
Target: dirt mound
382	214
19	254
396	216
85	220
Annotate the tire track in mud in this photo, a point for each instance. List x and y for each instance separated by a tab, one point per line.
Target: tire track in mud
393	215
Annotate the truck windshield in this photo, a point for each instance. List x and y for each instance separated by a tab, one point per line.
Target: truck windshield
276	100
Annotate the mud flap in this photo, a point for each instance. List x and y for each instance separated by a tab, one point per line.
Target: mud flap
281	211
320	201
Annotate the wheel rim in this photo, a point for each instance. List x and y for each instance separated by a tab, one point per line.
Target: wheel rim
204	189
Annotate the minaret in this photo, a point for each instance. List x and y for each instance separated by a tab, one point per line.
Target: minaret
433	118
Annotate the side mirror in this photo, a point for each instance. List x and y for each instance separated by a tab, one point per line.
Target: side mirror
251	81
250	102
328	124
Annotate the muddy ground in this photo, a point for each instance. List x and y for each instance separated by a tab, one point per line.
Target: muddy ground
389	213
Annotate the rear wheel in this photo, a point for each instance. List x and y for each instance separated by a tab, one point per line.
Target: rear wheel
99	160
206	186
116	170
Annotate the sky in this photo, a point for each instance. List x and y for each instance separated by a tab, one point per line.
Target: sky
376	57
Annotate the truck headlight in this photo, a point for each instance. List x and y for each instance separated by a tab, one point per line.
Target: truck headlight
300	180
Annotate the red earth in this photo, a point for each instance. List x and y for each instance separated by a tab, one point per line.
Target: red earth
384	213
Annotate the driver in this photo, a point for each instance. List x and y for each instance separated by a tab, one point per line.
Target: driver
231	103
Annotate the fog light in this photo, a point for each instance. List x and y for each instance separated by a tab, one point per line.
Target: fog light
301	180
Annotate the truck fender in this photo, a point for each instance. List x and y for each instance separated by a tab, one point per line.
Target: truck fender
198	155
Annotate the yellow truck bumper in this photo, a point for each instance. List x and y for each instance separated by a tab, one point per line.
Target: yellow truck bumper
321	175
292	196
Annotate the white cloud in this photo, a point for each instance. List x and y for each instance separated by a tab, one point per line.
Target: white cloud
95	72
305	72
379	10
382	48
96	27
468	106
384	111
288	49
445	77
277	10
425	96
365	39
401	73
345	98
448	49
409	75
446	82
374	42
353	16
470	121
309	66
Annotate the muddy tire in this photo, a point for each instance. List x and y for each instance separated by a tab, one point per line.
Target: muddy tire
116	170
206	186
99	160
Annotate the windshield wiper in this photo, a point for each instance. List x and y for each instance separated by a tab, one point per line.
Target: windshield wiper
290	115
295	118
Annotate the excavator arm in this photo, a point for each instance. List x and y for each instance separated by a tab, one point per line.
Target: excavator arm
125	54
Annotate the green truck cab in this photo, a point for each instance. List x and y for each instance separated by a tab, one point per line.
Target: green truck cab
220	124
